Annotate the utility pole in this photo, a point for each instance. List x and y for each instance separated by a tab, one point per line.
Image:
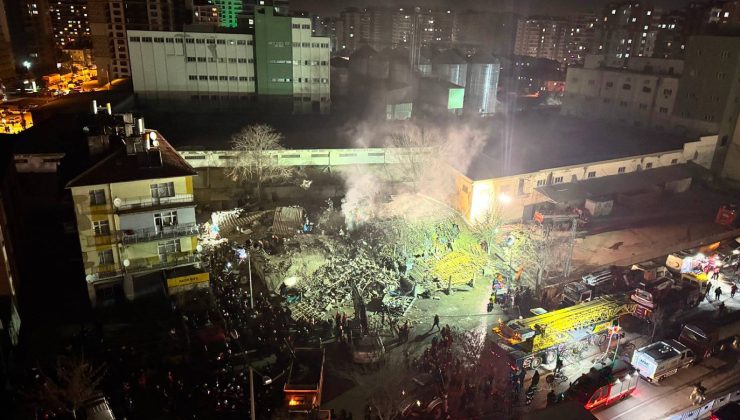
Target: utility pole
251	393
249	268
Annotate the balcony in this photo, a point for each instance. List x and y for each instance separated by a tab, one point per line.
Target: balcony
134	204
159	262
105	271
101	208
100	240
136	236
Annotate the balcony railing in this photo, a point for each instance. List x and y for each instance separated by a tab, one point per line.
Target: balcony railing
156	263
123	204
156	233
106	270
99	240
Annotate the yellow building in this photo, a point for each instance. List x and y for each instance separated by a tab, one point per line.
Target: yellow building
135	218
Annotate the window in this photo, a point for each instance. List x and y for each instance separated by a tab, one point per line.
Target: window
621	170
221	41
159	40
304	26
609	84
721	75
667	92
232	60
243	78
190	59
540	182
724	55
232	78
167	218
557	180
97	197
591	174
192	77
169	40
146	39
168	247
178	40
649	165
211	59
250	60
134	39
674	161
305	44
223	77
200	41
708	117
202	77
646	89
212	77
101	228
201	59
296	26
250	42
663	110
105	257
189	41
626	86
242	60
166	189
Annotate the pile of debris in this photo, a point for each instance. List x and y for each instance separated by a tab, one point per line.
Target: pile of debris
330	287
237	220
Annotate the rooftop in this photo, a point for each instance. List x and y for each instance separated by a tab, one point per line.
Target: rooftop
538	140
664	350
122	167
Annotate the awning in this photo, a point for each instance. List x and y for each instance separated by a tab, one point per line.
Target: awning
620	184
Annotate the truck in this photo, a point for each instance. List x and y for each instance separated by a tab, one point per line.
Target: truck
662	359
665	292
604	385
302	390
591	285
711	336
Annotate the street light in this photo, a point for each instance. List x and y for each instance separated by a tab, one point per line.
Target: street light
27	65
266	380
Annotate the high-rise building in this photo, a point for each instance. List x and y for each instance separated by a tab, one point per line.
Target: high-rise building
580	38
206	13
542	37
484	31
670	41
30	29
353	30
69	22
7	59
707	100
110	19
136	216
627	29
228	11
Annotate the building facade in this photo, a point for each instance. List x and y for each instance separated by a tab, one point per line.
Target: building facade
228	12
542	37
627	29
192	62
643	95
69	22
7	58
206	14
135	217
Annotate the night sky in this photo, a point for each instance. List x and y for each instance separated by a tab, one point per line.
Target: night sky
526	7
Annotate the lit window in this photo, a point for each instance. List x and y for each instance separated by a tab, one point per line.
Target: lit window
621	170
97	197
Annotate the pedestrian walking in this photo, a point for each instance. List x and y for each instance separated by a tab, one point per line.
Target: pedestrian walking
436	323
718	292
709	288
715	273
535	379
733	290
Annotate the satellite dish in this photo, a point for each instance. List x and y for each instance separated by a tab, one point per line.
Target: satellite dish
90	278
117	202
199	248
126	262
152	136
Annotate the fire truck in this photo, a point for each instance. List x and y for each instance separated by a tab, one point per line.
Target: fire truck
675	296
604	385
535	340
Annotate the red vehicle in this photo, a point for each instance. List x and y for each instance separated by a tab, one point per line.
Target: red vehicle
604	385
726	215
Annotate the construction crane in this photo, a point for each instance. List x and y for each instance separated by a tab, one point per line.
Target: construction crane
542	332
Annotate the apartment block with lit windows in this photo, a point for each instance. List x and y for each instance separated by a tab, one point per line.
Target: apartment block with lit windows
136	218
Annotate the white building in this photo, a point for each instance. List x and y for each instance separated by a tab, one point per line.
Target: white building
191	62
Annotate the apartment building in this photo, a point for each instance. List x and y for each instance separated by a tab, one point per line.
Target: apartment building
542	37
627	29
643	95
69	22
136	218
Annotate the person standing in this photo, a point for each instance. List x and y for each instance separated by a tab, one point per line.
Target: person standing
733	290
717	292
436	323
709	288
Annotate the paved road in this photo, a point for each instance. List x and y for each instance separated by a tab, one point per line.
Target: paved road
672	395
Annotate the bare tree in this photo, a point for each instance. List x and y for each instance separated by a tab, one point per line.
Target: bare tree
419	150
468	347
487	228
253	161
75	381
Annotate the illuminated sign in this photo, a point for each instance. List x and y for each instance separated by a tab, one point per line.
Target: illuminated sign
188	280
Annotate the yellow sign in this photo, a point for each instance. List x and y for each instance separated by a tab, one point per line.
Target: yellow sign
187	280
